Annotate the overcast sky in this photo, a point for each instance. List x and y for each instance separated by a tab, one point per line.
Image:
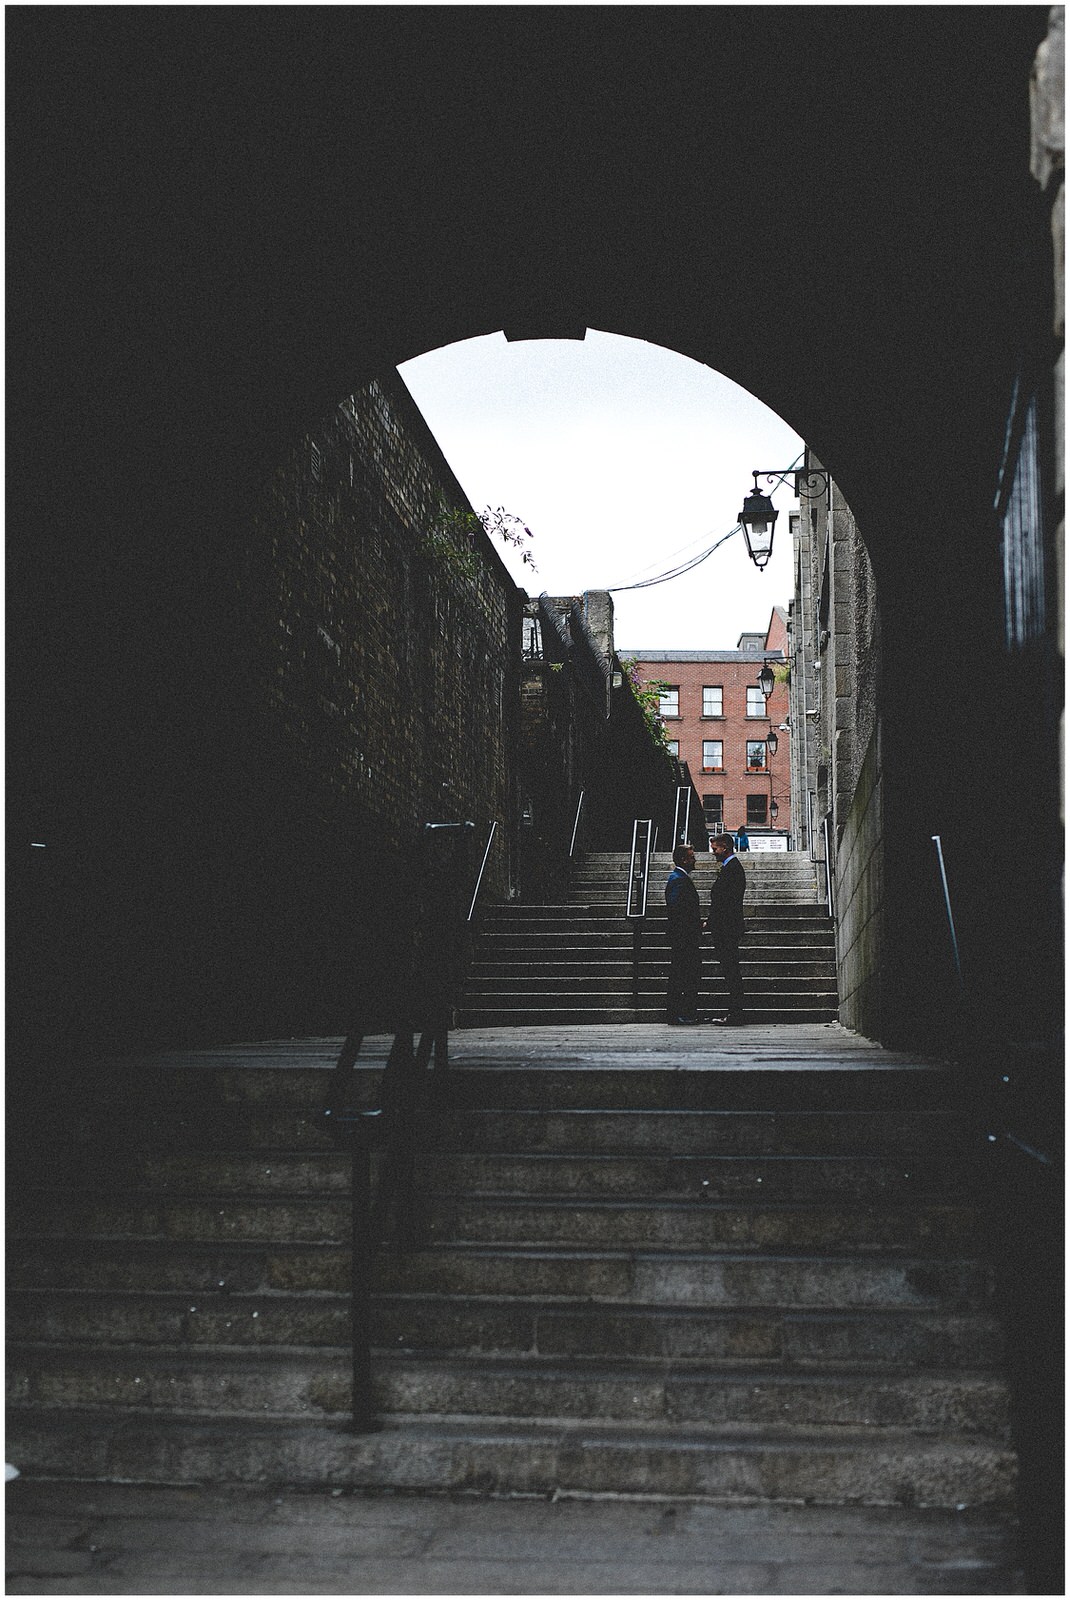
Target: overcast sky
624	459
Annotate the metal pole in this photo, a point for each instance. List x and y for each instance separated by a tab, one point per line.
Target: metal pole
828	865
947	903
576	825
637	948
364	1418
482	869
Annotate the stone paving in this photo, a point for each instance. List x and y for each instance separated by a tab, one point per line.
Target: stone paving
66	1539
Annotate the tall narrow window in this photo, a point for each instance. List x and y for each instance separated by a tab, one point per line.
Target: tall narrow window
757	810
755	755
712	701
712	755
669	704
755	702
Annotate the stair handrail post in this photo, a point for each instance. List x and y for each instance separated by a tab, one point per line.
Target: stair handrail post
638	882
482	869
576	825
363	1247
681	834
402	1089
828	867
947	907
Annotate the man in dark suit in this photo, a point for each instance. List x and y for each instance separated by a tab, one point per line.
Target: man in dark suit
725	922
685	939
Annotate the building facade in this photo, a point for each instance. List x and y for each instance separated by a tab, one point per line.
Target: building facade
733	742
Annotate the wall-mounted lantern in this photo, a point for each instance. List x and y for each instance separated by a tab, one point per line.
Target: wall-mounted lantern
758	517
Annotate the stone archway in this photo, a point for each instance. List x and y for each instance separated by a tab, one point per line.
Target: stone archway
221	241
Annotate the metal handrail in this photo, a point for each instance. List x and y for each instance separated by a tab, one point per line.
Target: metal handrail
382	1201
639	867
828	866
682	835
482	869
576	825
947	906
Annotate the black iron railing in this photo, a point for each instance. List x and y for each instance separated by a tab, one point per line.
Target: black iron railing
382	1138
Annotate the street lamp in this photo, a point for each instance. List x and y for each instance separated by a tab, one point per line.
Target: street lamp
772	741
774	810
759	515
766	680
759	519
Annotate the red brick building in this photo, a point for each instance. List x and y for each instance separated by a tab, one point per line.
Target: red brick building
719	723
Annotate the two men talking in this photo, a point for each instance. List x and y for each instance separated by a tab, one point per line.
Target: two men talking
724	923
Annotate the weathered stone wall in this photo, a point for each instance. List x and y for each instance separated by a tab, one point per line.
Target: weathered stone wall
860	887
383	658
836	742
580	734
371	688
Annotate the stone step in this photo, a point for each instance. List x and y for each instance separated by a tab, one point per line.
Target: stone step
702	1133
711	1225
834	1337
651	972
259	1290
487	1015
573	945
608	919
499	1457
637	1224
275	1131
646	1173
317	1383
773	1080
814	961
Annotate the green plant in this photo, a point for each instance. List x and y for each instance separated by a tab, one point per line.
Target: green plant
648	695
451	537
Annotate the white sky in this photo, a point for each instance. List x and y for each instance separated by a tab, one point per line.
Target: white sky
624	459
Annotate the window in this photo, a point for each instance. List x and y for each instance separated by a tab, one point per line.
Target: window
712	702
532	639
755	755
757	805
713	810
712	755
755	701
670	701
673	747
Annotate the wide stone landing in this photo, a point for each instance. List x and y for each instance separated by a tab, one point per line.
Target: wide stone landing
82	1540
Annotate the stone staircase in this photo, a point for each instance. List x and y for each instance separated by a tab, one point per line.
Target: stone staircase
640	1278
543	964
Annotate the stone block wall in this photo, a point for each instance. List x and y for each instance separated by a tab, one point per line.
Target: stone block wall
371	687
860	904
578	733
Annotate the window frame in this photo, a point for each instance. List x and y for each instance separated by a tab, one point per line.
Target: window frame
671	690
754	820
717	766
